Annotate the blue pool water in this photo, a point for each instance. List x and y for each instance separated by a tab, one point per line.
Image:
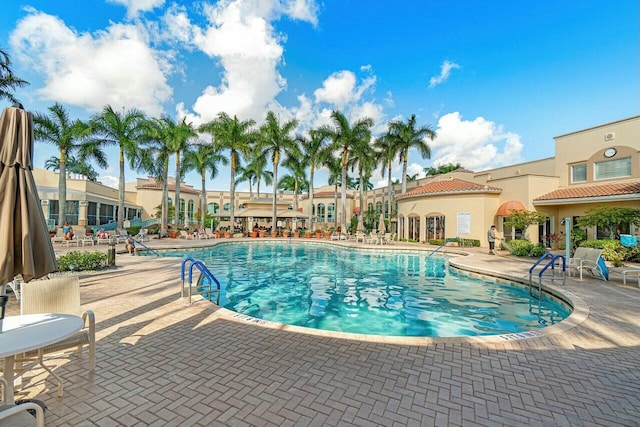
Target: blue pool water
368	292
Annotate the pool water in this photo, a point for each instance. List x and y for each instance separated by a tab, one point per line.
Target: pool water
389	293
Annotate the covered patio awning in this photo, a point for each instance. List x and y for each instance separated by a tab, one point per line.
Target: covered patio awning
507	208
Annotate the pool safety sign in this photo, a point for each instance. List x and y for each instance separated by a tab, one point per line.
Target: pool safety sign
463	223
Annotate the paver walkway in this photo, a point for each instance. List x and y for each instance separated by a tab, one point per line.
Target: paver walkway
162	363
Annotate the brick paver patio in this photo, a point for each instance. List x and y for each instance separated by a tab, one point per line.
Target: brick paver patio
163	363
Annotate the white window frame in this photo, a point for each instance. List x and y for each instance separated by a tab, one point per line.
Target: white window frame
573	179
596	164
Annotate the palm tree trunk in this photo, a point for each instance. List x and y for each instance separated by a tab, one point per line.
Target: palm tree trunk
361	192
311	193
258	189
203	208
62	188
176	212
232	192
335	205
389	185
343	193
121	193
275	189
164	213
405	160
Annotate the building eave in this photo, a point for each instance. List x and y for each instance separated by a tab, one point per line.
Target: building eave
580	200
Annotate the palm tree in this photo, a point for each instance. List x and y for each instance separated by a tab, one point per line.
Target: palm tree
345	137
297	181
179	134
204	157
236	136
255	172
73	165
58	129
412	177
406	136
153	158
124	130
364	160
334	166
276	141
8	81
386	153
315	153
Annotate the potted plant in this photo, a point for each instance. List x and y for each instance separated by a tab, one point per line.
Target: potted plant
328	233
218	234
307	234
262	233
173	233
318	234
286	233
296	233
274	233
253	234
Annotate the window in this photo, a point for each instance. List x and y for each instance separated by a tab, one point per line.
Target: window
331	210
378	208
435	227
613	168
370	206
226	207
213	208
579	173
321	212
190	209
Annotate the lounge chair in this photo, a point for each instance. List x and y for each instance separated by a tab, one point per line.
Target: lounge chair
59	295
360	236
142	235
185	235
587	259
17	415
59	237
202	234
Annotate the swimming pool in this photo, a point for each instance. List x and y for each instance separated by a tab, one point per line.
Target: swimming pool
389	293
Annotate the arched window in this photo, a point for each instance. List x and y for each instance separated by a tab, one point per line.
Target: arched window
435	226
370	207
321	212
378	208
181	213
226	207
331	211
213	208
190	208
414	228
170	201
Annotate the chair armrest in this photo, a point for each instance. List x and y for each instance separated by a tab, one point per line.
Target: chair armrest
24	407
89	315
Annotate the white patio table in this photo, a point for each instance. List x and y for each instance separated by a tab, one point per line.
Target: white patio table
19	334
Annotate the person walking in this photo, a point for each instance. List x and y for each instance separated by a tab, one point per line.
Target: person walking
491	237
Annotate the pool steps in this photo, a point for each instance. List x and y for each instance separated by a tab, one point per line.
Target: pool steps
551	263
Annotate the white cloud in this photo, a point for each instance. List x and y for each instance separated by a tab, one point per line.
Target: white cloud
109	181
136	6
415	168
445	71
477	145
115	66
240	36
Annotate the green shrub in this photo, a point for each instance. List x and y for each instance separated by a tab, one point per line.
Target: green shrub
521	247
81	261
153	229
134	230
436	242
538	250
612	250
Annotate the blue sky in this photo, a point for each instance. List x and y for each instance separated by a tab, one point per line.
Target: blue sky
497	80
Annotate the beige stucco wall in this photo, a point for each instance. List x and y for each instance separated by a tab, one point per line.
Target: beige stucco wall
588	145
481	206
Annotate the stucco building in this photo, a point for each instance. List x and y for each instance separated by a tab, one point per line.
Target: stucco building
591	167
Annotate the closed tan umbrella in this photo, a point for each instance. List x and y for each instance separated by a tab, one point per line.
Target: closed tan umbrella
381	227
25	245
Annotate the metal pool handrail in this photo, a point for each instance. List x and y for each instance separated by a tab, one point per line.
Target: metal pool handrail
204	272
551	263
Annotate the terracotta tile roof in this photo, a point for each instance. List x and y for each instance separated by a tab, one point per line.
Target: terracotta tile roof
172	188
619	189
450	186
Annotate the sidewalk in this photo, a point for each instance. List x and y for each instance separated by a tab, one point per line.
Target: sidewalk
161	362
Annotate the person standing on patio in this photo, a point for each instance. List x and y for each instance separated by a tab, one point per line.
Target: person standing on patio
491	237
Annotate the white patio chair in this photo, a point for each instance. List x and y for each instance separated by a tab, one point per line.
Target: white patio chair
59	295
17	415
59	237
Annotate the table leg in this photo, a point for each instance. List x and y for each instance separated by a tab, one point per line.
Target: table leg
8	374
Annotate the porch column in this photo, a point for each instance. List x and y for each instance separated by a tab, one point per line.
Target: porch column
82	214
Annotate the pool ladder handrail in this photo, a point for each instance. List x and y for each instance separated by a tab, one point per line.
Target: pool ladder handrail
204	272
450	239
144	246
551	263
